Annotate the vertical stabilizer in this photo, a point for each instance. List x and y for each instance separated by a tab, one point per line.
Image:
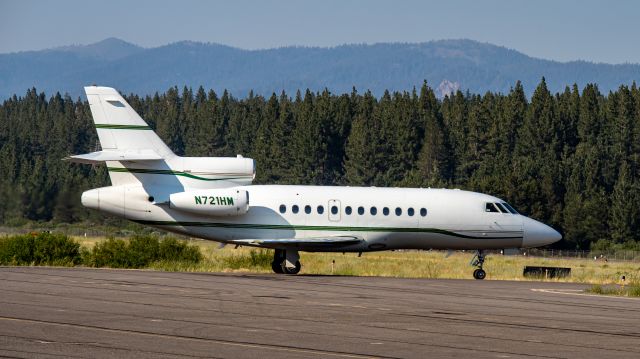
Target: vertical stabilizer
135	155
124	134
119	126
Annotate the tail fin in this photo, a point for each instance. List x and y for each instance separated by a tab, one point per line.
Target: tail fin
120	128
127	141
134	154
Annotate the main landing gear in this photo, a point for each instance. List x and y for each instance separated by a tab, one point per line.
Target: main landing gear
478	261
286	262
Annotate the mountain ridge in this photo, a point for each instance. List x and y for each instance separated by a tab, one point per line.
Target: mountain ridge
462	64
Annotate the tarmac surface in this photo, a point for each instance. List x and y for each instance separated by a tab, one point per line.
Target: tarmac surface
98	313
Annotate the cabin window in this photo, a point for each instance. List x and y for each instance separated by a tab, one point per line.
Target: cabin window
295	208
334	209
501	208
398	211
373	211
307	209
347	210
361	210
411	212
320	209
423	212
511	209
385	211
490	207
283	208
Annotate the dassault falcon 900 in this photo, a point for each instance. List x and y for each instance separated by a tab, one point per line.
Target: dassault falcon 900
213	198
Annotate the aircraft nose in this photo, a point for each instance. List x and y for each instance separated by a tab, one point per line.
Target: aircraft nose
91	199
537	234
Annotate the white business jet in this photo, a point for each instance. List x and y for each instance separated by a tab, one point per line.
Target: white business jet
213	198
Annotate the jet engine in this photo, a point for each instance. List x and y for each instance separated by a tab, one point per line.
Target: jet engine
212	202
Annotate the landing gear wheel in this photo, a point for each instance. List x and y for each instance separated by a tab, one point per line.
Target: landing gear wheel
295	270
478	261
278	261
479	274
276	267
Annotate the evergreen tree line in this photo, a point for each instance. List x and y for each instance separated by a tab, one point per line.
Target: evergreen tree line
569	159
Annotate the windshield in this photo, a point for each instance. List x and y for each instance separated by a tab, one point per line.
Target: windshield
511	209
499	207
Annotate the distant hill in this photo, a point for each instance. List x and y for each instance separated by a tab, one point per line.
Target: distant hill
447	65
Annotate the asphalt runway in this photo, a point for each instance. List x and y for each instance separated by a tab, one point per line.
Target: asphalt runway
97	313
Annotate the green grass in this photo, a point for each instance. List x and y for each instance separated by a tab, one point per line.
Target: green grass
624	291
256	259
402	264
170	254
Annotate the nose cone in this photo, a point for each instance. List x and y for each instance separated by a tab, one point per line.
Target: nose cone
91	199
538	234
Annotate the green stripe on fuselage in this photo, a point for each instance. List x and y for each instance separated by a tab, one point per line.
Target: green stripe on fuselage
320	228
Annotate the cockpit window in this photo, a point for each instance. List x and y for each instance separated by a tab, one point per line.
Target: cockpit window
511	209
490	207
501	208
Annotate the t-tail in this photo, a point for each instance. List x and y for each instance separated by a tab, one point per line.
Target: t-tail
136	157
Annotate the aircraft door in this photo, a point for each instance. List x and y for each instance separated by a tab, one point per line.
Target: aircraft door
334	210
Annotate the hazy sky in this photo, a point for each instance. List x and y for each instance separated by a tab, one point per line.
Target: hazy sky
602	31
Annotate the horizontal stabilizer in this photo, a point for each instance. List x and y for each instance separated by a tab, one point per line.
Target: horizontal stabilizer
101	156
312	242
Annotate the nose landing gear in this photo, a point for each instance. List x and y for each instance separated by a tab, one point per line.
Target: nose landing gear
478	261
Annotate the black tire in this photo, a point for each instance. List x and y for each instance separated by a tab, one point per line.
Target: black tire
479	274
279	256
295	270
277	268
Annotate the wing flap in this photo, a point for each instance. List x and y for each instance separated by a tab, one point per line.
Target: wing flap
101	156
311	242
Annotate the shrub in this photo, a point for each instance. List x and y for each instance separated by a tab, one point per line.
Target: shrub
110	253
171	249
140	251
39	249
143	250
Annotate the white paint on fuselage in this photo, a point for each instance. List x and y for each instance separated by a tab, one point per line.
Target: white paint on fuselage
455	219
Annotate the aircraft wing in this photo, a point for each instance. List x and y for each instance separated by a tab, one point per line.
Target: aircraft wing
293	243
101	156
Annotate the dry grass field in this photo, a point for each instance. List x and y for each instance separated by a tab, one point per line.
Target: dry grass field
404	264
